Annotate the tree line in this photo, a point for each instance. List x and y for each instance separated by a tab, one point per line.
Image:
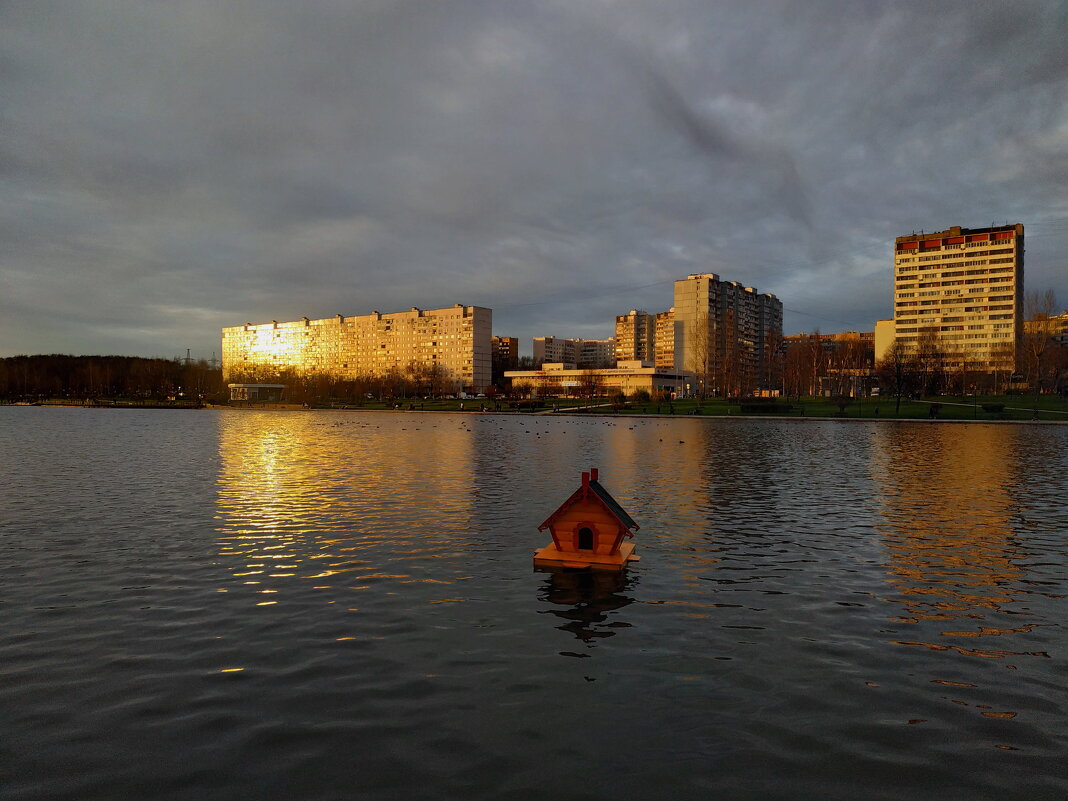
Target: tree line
415	381
64	376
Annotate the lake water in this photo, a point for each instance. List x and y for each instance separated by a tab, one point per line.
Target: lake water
264	605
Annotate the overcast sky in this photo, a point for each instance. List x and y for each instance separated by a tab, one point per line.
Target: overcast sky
170	168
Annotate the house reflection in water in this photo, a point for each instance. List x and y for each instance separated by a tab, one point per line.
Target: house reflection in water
586	598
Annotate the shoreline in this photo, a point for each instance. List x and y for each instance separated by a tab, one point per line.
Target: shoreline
559	413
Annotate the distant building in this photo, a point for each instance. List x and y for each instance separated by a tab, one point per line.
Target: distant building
664	346
961	291
843	364
635	336
256	393
866	339
596	352
554	349
506	349
455	341
1055	325
505	357
884	336
580	352
646	337
727	334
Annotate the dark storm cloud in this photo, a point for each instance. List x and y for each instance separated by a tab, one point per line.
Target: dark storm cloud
167	169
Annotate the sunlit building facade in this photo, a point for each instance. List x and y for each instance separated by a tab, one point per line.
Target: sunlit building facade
457	340
635	336
664	336
625	378
581	352
961	290
1055	326
727	333
596	352
646	337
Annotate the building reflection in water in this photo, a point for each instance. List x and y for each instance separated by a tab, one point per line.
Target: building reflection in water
315	497
586	599
658	470
947	527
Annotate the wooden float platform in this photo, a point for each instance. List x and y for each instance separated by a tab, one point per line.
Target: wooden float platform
550	556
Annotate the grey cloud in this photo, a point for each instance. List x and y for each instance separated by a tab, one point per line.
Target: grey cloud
167	169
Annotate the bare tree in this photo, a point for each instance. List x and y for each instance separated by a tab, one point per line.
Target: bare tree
814	361
589	384
1040	352
772	359
701	348
897	373
931	363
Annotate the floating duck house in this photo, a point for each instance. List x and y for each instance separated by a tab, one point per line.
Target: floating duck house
588	531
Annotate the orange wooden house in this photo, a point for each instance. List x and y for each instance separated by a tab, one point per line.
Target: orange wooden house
588	531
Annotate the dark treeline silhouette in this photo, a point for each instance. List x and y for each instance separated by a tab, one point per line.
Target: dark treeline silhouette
416	381
63	376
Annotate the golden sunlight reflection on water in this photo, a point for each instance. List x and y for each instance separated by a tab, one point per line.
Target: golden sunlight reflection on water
955	567
948	522
320	498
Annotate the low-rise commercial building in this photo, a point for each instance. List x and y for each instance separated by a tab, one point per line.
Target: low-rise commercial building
625	378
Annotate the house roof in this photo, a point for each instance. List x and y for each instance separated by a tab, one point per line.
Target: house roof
602	495
613	505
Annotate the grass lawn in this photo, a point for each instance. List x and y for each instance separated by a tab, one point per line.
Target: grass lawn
1015	407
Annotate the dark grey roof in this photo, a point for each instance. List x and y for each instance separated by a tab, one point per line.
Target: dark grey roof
610	502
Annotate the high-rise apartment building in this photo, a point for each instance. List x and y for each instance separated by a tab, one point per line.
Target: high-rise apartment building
457	340
506	350
961	290
635	336
647	337
664	336
505	357
727	333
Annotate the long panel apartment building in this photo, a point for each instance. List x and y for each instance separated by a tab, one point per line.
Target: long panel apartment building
962	290
457	339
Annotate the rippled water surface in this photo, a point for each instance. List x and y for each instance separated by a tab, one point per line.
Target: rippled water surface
231	605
